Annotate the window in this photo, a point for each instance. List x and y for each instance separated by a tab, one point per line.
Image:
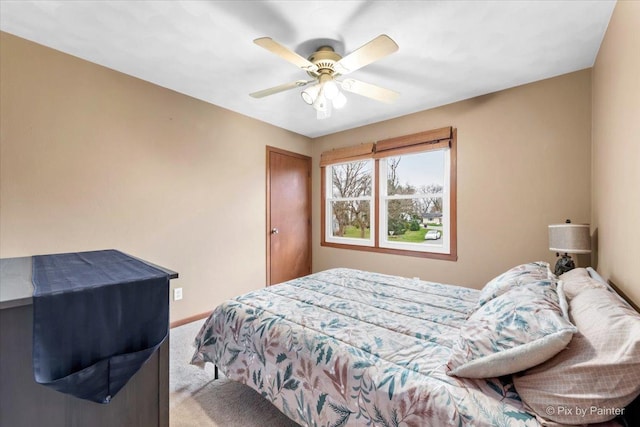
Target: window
394	196
350	202
413	206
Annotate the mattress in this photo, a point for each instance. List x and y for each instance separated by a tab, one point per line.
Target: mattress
349	347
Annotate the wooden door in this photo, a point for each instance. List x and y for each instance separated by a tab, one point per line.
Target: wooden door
288	215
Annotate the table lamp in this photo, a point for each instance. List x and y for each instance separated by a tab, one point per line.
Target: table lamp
568	238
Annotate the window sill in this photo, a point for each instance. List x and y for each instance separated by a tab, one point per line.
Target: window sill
443	257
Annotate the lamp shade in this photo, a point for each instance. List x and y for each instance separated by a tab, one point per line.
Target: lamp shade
570	238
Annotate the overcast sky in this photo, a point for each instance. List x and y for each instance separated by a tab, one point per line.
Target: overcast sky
422	169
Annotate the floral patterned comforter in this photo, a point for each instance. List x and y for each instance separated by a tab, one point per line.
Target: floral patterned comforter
348	347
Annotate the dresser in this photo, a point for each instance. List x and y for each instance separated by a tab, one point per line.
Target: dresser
143	402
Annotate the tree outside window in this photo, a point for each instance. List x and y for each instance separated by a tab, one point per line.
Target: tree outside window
350	200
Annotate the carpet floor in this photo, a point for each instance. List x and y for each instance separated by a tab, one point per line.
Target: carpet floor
195	399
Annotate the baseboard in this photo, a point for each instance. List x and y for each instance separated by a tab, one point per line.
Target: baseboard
189	319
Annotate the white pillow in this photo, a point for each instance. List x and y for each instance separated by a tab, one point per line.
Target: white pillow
518	329
577	280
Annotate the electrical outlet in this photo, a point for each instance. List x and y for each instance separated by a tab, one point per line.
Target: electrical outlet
177	294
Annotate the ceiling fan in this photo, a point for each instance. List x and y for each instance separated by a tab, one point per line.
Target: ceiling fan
326	66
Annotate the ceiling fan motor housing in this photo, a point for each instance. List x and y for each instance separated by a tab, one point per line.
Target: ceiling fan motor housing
325	59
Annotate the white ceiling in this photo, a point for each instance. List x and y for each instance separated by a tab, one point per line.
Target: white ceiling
449	50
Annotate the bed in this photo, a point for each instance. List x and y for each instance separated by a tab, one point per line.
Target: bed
349	347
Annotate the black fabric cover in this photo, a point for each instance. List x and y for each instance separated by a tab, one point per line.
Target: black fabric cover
97	318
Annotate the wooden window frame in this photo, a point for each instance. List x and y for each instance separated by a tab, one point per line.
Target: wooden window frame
414	143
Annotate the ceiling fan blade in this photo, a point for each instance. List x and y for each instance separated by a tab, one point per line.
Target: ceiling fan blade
285	53
370	91
376	49
280	88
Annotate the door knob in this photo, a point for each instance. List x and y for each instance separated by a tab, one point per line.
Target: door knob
274	230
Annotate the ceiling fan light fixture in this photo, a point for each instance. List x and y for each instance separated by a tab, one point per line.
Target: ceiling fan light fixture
339	101
310	94
320	103
330	89
325	96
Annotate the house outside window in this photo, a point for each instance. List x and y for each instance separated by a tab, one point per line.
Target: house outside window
393	196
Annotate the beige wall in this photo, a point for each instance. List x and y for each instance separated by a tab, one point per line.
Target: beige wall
93	159
615	206
523	163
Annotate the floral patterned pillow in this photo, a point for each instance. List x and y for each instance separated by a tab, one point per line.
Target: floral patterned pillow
514	331
516	276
